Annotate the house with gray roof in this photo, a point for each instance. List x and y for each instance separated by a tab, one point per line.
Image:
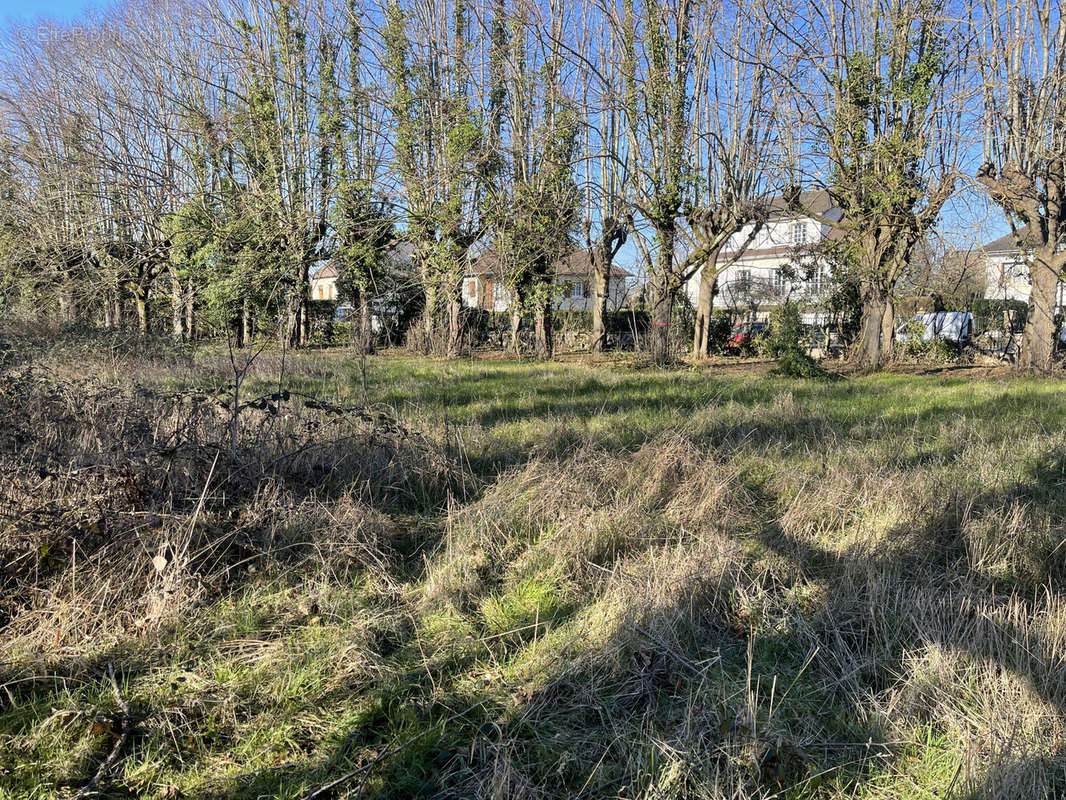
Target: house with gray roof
1007	269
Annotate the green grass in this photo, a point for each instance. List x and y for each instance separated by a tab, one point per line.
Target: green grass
679	583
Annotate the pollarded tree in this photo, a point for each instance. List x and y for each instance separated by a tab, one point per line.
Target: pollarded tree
1023	66
664	47
439	151
736	155
352	155
534	197
883	110
283	184
602	160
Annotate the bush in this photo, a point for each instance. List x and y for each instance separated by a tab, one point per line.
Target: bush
988	315
797	364
784	333
783	342
936	350
718	330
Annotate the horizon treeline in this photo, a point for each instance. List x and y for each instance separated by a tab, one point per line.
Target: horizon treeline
205	157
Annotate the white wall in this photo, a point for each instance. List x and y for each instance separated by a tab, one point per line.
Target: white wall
778	233
323	288
616	287
761	268
1007	278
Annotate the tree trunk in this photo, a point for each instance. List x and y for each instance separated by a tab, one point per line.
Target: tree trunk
701	340
455	318
429	319
871	352
190	311
292	322
366	342
888	327
140	297
177	310
601	288
516	324
1039	338
302	309
246	323
542	330
663	294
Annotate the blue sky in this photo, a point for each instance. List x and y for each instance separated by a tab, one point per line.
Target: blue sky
67	10
967	220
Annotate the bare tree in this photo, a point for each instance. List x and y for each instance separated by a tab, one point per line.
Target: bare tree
1023	66
735	155
534	197
603	159
878	85
439	150
664	47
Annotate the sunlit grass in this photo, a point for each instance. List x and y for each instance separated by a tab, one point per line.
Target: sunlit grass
655	583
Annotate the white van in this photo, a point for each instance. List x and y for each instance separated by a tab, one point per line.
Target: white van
955	326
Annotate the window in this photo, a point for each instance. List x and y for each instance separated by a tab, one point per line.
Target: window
779	280
816	282
1015	270
743	280
471	288
799	234
577	291
321	293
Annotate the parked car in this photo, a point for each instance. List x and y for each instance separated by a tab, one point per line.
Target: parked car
745	332
954	326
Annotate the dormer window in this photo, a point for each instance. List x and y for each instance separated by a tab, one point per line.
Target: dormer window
799	234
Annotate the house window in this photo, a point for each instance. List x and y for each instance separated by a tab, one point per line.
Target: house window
471	288
577	291
333	291
743	280
321	294
816	281
779	280
1015	270
799	234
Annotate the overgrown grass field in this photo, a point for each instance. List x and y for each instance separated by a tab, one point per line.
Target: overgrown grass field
514	580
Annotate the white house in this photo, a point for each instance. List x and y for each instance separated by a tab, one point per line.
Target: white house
484	287
399	262
324	283
760	277
1007	270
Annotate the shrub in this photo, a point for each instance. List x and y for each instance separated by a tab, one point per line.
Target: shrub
936	350
785	331
718	330
989	315
783	342
797	364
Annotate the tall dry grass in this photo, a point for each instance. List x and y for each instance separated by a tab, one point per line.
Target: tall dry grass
758	597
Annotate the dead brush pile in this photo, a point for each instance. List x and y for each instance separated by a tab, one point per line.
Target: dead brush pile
120	506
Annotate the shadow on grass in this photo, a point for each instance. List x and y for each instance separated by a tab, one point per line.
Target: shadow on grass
591	732
428	730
